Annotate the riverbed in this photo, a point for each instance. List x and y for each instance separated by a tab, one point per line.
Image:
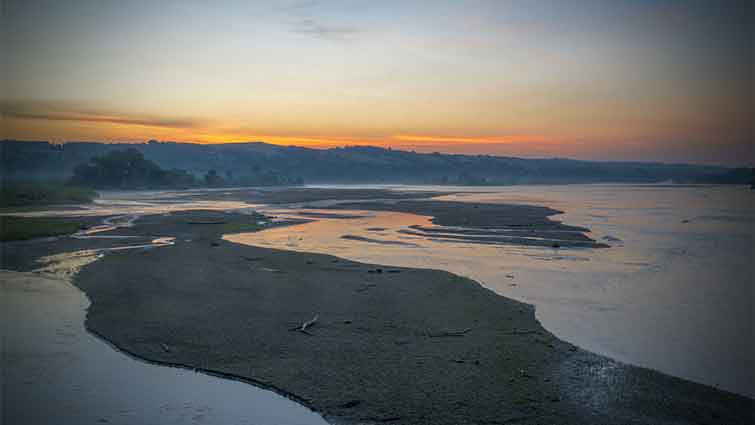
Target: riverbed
55	372
673	292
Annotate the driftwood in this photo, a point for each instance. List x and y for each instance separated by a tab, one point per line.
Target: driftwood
303	328
524	332
446	333
366	286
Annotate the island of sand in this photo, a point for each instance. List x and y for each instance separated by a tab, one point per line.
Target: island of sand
367	343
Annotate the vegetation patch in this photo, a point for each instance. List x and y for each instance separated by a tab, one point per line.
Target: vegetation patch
128	169
22	228
34	194
239	227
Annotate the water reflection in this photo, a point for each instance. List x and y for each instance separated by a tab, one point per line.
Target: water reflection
55	372
59	373
674	291
127	206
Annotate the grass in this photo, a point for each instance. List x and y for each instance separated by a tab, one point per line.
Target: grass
23	228
239	227
37	194
220	223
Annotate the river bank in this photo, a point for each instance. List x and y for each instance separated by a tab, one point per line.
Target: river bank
54	371
389	345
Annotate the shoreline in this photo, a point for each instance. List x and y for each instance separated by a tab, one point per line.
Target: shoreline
530	340
81	393
570	370
247	380
478	223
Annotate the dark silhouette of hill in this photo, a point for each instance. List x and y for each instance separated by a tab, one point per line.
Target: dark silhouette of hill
735	176
259	163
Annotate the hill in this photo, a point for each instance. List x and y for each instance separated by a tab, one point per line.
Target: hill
258	163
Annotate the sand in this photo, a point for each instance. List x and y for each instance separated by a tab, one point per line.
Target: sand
484	223
390	345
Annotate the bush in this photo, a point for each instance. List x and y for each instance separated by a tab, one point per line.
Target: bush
128	169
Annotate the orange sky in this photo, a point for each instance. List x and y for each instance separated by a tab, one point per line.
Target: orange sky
601	80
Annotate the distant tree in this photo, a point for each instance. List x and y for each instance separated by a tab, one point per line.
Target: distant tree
733	176
212	179
28	161
128	169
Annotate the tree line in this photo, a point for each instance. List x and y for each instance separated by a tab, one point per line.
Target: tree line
128	169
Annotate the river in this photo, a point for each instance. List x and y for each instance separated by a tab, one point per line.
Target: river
673	292
55	372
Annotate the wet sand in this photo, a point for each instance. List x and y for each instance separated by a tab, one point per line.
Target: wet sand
484	223
294	195
55	372
390	345
300	195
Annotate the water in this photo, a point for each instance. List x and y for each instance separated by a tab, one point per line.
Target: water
129	205
54	372
674	292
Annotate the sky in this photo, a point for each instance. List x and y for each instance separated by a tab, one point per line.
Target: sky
666	81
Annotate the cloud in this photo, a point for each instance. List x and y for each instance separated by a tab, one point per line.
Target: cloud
51	111
317	29
303	4
305	18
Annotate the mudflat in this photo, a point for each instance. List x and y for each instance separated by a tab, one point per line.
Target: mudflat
385	344
295	195
483	223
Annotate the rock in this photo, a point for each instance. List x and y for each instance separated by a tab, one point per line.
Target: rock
350	404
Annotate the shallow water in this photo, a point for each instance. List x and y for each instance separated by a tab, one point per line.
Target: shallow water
129	205
54	372
674	292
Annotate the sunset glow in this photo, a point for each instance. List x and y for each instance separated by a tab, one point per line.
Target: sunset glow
606	80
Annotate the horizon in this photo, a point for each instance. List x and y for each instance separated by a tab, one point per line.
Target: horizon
397	149
415	212
645	81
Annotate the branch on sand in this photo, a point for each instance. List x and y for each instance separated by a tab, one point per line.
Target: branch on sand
366	286
446	333
303	328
